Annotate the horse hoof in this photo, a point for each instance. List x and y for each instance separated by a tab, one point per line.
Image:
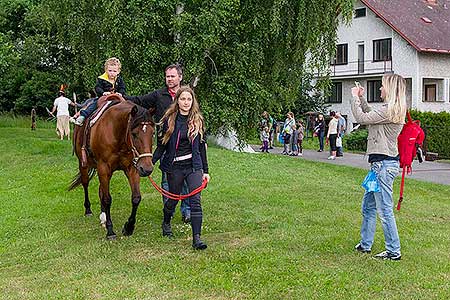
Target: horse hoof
111	237
127	229
126	232
88	212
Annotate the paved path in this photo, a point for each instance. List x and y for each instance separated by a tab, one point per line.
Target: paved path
427	171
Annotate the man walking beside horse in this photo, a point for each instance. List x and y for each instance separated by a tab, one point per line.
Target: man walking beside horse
161	100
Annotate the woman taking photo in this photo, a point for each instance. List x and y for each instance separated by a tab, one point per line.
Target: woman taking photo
184	158
384	124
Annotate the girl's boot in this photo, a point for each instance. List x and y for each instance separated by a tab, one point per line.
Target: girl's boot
197	243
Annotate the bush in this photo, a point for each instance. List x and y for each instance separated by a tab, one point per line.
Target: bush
436	127
356	140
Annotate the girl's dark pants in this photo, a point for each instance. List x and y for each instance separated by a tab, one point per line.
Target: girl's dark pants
193	180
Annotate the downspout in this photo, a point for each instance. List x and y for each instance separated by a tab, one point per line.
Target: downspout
415	102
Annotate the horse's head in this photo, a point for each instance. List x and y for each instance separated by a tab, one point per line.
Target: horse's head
140	137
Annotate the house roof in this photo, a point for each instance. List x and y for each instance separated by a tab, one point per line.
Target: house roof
423	24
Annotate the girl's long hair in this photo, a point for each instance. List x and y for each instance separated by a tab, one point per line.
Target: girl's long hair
195	118
395	89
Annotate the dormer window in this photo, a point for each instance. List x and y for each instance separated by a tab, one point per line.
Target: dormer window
360	12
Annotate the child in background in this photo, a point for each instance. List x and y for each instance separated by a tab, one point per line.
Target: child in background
108	83
265	139
294	141
301	134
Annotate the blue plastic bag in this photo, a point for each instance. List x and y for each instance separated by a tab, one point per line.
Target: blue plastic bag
280	138
370	183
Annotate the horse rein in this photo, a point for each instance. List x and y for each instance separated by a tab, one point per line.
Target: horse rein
136	155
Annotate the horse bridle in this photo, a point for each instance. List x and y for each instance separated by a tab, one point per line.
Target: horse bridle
136	155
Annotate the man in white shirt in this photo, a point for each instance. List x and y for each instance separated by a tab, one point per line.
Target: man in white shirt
61	104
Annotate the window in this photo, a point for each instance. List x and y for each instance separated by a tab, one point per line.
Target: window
430	92
382	50
336	93
360	12
373	91
341	55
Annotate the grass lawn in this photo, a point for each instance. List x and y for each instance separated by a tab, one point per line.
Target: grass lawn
276	228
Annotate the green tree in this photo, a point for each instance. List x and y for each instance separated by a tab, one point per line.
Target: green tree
246	56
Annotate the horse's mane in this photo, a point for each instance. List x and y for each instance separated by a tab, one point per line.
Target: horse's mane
142	115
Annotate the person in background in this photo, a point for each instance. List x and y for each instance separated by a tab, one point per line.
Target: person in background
294	147
287	132
263	123
272	127
384	125
300	136
33	118
265	140
342	125
332	135
319	131
183	158
61	105
161	99
275	132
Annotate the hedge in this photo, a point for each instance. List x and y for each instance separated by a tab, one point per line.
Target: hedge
357	140
437	131
435	125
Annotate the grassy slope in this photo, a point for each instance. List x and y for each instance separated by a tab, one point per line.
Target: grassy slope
277	228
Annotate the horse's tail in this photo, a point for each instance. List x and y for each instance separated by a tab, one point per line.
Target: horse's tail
76	181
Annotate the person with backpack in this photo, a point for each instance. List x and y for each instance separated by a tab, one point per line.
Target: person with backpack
319	131
287	133
384	125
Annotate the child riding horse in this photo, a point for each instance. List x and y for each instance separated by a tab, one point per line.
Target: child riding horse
121	139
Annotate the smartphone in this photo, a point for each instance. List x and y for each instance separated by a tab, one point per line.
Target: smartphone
357	84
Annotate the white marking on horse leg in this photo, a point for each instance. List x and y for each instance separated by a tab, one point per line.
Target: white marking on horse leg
102	218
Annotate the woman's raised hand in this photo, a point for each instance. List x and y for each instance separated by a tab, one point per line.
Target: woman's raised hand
357	91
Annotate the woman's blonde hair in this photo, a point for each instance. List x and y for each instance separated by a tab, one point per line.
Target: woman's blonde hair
395	90
195	118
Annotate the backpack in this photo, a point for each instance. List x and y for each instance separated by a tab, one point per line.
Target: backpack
409	141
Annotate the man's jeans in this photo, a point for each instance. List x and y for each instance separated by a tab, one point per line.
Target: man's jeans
382	203
185	207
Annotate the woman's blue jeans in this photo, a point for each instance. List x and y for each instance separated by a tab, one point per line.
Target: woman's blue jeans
321	136
381	202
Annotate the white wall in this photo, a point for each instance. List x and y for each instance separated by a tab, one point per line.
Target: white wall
406	61
362	30
434	68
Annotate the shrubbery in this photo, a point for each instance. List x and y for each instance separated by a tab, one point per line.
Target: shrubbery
357	140
437	128
435	125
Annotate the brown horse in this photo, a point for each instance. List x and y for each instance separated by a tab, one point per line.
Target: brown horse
121	139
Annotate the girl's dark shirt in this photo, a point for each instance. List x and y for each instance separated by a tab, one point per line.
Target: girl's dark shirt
167	152
380	157
184	144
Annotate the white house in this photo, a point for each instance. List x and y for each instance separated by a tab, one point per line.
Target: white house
407	37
